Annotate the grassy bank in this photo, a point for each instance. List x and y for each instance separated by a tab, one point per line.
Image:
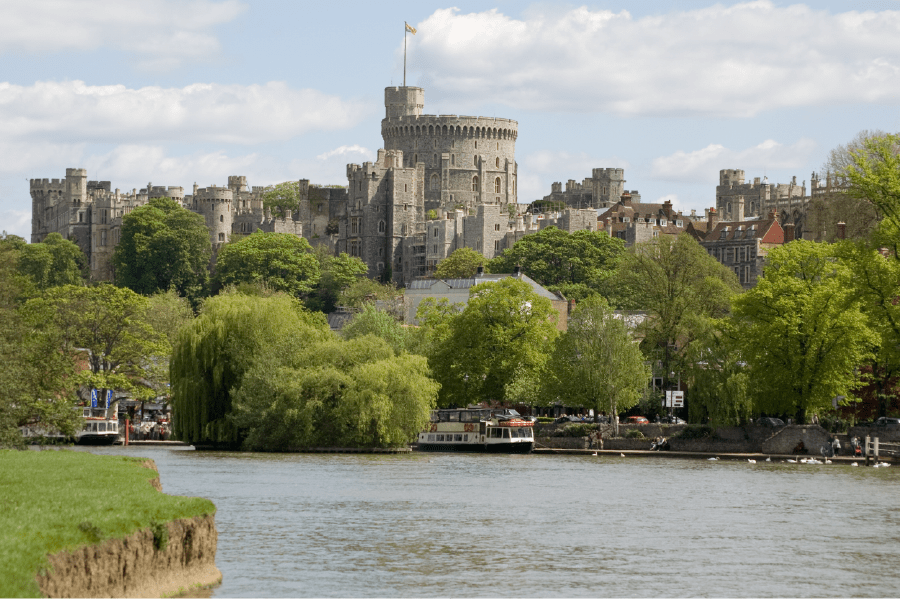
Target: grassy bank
57	500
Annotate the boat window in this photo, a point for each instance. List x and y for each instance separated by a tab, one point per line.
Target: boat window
431	437
440	437
457	438
507	434
465	437
529	433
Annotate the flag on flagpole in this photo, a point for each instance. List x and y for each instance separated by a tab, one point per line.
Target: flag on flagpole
410	28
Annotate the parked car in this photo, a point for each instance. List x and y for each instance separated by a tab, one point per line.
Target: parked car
636	420
673	420
767	421
888	422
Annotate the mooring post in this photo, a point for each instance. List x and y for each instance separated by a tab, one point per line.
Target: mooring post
867	450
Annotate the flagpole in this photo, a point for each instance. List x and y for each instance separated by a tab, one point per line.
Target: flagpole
404	53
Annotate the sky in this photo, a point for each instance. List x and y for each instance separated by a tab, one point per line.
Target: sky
173	92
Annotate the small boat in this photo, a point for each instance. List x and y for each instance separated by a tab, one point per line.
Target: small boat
478	429
97	429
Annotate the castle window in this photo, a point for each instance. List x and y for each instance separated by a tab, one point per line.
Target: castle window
498	162
435	248
497	184
475	183
452	159
103	217
415	158
497	245
319	208
103	237
380	252
435	144
498	147
435	183
435	232
434	159
221	218
381	267
497	227
221	236
452	143
475	160
381	226
476	144
405	187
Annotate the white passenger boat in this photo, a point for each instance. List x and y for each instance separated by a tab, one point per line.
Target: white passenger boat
97	429
478	429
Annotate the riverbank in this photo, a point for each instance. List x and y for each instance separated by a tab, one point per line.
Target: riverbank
82	525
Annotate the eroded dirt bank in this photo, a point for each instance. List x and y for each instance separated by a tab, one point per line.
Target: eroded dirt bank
139	565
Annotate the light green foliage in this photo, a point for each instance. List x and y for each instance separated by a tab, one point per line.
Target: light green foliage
56	501
803	330
431	215
163	246
434	317
367	291
577	264
873	172
372	321
104	325
461	264
282	261
214	352
680	286
338	273
597	363
503	332
719	382
281	197
54	262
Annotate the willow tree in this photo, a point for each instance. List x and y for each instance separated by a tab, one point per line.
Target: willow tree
597	363
214	352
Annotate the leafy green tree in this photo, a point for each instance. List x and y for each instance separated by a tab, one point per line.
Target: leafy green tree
217	348
719	384
338	273
107	327
461	264
803	330
283	261
163	246
680	286
597	363
53	262
372	321
281	197
502	333
577	264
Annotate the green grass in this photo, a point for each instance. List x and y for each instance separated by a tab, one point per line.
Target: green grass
56	500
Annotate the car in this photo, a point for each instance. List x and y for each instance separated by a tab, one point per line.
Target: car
673	420
767	421
888	422
636	420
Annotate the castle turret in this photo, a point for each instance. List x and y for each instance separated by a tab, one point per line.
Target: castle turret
403	101
215	204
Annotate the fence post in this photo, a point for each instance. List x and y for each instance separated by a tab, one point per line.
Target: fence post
867	450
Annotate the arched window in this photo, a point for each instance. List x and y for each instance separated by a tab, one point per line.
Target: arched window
435	183
497	185
475	183
381	226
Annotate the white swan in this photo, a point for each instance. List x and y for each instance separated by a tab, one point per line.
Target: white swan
792	461
622	454
752	461
768	459
854	464
711	459
827	461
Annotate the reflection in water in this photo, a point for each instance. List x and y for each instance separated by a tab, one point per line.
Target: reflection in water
488	525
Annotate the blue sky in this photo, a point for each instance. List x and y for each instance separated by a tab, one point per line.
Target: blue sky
177	92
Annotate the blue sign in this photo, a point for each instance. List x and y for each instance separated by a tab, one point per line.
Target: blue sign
109	397
93	398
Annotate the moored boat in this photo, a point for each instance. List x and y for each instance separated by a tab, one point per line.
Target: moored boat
97	428
479	430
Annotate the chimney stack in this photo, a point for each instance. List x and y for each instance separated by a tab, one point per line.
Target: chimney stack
712	218
789	232
842	230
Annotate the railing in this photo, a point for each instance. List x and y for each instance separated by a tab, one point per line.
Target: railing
875	449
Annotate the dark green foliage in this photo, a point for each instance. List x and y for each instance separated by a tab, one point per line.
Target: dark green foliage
338	273
163	246
634	434
577	264
697	431
577	429
93	533
160	532
461	264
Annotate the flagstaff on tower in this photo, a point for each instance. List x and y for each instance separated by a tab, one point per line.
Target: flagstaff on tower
411	29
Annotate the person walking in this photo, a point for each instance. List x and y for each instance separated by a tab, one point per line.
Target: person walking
836	445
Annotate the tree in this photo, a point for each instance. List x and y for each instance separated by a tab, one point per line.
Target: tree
719	384
679	285
501	333
338	273
163	246
283	261
375	322
577	264
874	175
842	158
803	330
53	262
461	264
597	363
281	197
107	327
232	334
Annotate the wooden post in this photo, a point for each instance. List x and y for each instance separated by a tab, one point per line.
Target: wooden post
867	450
127	425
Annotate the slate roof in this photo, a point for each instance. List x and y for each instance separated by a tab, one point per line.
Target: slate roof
427	283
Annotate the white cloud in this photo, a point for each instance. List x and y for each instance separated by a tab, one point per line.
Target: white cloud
74	112
344	151
161	34
732	61
703	165
568	165
16	222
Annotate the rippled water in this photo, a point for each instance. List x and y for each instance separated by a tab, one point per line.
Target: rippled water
547	526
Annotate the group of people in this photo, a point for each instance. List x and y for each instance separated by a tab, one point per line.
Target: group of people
831	448
149	430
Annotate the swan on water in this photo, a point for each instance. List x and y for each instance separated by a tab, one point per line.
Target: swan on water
752	461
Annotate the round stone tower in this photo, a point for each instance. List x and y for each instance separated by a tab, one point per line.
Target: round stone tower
215	204
468	160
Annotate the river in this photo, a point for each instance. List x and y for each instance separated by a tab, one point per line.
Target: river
439	525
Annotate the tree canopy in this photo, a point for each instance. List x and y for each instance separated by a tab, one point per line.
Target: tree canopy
502	333
461	264
163	246
338	273
803	330
281	197
53	262
575	264
597	363
282	261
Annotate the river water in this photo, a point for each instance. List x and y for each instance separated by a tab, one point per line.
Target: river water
440	525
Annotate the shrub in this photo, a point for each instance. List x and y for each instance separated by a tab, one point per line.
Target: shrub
694	431
160	532
578	429
634	434
546	420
